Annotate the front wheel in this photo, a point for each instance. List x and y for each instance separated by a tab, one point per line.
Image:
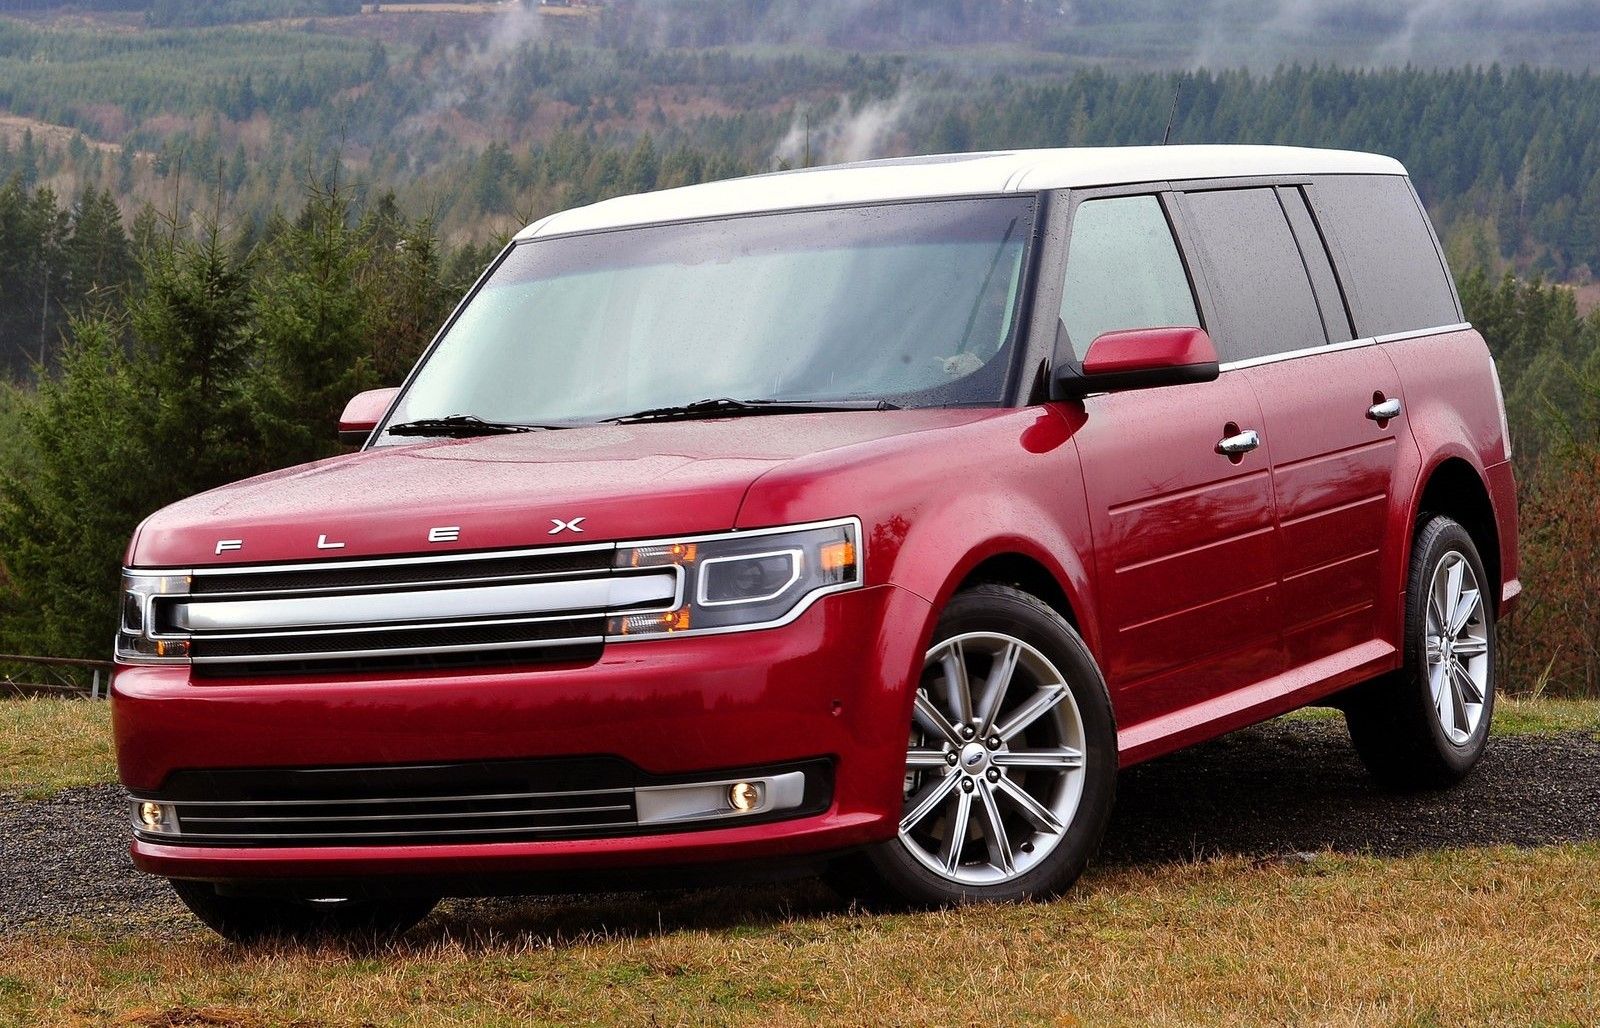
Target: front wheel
1427	725
246	919
1011	761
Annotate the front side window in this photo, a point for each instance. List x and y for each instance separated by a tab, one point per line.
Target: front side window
913	304
1123	271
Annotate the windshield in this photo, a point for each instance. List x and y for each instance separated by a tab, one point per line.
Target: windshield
910	304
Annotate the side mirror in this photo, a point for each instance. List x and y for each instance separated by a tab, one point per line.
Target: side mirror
362	414
1139	358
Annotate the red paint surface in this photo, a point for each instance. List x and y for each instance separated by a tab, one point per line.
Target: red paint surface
1144	349
1213	594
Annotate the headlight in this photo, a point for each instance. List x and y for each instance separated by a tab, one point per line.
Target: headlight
754	579
143	637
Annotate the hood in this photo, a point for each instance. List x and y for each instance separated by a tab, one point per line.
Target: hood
587	485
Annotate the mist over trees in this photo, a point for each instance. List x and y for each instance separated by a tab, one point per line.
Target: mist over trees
220	219
1507	159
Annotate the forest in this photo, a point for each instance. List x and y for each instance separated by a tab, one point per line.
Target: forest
211	235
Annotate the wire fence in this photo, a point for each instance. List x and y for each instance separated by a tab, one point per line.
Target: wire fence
54	676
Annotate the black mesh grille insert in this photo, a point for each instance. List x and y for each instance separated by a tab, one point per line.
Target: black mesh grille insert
323	577
401	638
478	801
502	800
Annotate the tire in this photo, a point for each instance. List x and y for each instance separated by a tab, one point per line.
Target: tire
1003	763
1420	728
247	919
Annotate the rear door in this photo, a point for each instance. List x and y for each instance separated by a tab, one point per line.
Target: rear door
1185	566
1332	412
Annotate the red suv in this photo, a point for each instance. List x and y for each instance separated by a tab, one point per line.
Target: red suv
864	518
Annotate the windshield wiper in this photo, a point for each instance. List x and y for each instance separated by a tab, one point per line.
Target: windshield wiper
462	426
726	407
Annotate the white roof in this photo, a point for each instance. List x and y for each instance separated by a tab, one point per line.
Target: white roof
914	178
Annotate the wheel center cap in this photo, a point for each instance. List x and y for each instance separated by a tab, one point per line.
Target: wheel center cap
974	758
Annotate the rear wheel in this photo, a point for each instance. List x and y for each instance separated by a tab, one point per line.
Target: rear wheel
1427	725
255	918
1011	760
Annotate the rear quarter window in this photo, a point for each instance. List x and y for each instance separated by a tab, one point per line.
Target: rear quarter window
1389	259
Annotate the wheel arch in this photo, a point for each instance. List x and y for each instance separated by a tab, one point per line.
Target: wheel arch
1021	562
1026	573
1455	488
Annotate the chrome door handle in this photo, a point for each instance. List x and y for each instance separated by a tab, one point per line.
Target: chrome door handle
1385	411
1238	445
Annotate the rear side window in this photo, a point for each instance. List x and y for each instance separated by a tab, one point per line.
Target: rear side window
1398	282
1263	298
1123	271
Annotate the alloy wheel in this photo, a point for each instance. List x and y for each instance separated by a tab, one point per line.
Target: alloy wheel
995	765
1457	642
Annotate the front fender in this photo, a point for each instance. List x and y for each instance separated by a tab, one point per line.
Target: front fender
936	505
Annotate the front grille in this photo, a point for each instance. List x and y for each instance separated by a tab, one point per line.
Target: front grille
401	639
419	612
505	800
493	801
393	575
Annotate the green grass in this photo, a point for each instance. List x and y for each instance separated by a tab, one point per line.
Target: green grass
1513	716
47	745
1496	936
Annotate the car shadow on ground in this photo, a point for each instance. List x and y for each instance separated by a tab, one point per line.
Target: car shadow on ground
1267	792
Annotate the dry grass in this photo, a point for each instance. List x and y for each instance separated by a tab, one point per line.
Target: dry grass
1500	936
50	744
1513	716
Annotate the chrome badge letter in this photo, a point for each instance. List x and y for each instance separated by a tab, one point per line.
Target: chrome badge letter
567	526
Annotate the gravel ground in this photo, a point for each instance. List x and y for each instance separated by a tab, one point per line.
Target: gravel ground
1271	791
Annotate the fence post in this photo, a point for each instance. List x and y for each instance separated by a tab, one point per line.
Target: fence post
94	685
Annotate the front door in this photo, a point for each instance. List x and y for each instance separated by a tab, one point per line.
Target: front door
1185	567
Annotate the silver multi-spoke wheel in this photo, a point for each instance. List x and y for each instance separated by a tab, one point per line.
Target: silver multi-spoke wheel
1457	647
995	767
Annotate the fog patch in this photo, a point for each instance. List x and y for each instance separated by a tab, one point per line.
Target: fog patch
840	134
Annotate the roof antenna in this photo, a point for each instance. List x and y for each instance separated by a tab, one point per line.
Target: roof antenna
1172	114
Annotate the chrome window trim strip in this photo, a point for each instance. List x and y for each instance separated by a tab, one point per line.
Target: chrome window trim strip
601	594
1351	344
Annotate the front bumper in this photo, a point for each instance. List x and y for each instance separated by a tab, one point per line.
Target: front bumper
833	684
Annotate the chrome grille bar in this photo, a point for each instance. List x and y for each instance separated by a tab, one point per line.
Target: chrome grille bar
342	815
610	593
434	610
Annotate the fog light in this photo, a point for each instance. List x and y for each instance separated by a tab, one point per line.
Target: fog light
151	815
743	797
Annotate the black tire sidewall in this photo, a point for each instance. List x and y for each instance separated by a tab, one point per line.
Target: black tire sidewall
1438	537
1002	609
